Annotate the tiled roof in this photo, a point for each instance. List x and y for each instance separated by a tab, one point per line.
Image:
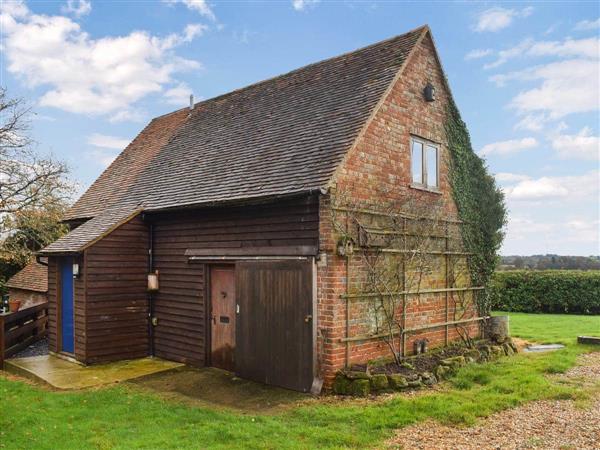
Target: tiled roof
91	231
33	277
112	185
281	136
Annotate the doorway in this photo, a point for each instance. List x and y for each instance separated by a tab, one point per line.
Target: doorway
222	317
66	306
275	323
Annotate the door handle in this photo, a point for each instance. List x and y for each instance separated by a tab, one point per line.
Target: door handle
307	318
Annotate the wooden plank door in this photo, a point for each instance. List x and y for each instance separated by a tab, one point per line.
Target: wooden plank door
67	316
275	329
223	304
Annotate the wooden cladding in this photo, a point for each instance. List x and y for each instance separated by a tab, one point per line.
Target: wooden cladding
116	305
181	304
52	304
111	299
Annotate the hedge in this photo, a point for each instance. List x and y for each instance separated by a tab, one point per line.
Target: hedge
546	291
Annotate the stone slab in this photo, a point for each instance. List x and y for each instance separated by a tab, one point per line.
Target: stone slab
591	340
543	348
62	374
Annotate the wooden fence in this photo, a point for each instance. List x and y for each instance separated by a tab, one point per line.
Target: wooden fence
21	329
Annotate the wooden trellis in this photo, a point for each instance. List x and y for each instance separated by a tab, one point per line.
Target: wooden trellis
364	232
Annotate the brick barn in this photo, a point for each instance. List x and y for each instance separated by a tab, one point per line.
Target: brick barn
29	285
229	204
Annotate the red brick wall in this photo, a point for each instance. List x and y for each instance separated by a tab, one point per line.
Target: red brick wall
27	298
376	171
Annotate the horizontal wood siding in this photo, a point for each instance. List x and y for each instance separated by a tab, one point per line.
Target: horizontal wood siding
116	302
52	304
180	304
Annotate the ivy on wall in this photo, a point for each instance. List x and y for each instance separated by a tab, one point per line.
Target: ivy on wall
479	201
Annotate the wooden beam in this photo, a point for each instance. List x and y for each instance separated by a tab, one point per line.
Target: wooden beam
420	292
291	250
367	337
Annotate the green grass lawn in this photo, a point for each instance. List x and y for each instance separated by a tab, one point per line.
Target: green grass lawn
124	417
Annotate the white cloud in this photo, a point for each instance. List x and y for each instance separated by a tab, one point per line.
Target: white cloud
78	8
497	18
551	188
478	53
542	188
553	214
179	95
104	76
580	48
582	145
107	148
301	5
105	141
507	177
127	115
586	25
564	87
199	6
102	156
532	122
567	87
508	147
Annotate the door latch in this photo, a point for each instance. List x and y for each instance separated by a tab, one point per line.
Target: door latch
237	308
308	318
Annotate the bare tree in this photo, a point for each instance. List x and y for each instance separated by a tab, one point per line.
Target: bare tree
27	179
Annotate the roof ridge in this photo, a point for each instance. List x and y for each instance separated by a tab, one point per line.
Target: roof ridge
285	74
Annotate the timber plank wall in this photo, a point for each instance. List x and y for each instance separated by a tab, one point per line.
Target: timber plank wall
181	305
116	303
52	304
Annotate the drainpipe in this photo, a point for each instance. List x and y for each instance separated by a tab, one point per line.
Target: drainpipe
150	294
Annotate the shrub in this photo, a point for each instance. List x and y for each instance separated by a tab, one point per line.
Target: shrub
547	291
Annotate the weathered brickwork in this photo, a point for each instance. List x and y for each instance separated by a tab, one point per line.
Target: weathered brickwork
377	171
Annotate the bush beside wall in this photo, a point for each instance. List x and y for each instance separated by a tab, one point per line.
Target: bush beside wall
547	291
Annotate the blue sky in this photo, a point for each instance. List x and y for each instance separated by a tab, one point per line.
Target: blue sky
525	76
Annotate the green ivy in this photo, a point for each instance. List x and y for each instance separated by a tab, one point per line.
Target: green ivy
480	204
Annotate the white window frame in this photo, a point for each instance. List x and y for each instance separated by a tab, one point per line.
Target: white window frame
424	143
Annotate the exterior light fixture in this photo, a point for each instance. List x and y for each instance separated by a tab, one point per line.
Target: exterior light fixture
429	92
76	272
153	282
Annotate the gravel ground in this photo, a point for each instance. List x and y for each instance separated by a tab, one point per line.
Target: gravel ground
545	425
38	348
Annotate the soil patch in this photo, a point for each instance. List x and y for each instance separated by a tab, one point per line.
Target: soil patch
210	387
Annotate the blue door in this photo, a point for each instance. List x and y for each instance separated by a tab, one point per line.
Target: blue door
67	310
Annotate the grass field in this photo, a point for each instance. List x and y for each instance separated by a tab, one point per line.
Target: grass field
124	417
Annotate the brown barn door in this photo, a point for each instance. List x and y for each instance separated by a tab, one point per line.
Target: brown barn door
222	301
275	329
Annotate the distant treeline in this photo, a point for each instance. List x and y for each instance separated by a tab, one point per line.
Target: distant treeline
545	262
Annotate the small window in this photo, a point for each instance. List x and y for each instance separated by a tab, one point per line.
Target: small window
417	162
424	163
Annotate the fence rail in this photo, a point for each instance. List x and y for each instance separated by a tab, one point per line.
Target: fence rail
21	329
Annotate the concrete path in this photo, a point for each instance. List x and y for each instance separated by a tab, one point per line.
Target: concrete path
62	374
